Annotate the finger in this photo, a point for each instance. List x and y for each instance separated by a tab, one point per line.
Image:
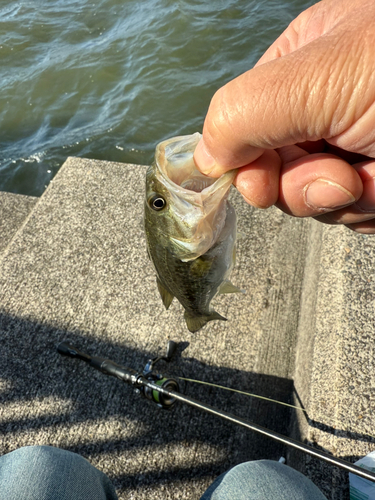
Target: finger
312	185
290	40
320	90
302	30
346	216
208	165
364	209
312	23
259	182
367	227
366	171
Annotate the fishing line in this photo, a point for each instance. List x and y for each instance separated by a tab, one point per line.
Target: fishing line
260	397
240	392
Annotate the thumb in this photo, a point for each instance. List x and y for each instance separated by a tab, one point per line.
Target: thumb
315	92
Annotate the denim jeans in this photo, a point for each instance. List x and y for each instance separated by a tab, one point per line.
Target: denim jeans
47	473
262	480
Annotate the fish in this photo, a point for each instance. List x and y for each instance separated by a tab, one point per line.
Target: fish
190	229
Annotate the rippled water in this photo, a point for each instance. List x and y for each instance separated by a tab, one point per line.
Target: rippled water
111	78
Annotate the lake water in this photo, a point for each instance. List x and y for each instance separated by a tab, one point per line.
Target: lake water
109	79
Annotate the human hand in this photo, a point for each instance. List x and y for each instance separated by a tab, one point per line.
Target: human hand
300	125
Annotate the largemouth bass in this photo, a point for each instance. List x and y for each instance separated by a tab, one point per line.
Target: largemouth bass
190	230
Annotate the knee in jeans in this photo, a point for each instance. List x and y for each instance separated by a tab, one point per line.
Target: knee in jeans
48	455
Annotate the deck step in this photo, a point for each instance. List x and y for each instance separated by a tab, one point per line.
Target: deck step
14	208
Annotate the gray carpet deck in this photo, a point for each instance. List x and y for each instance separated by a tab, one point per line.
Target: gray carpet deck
77	269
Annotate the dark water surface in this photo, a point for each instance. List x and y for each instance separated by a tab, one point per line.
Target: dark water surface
109	79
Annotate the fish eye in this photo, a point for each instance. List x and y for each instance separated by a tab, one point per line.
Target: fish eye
157	203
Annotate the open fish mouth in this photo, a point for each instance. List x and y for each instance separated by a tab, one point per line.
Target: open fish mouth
197	184
174	159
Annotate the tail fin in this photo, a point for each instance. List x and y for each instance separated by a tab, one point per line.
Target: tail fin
195	323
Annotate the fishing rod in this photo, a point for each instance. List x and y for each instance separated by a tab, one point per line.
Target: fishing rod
165	391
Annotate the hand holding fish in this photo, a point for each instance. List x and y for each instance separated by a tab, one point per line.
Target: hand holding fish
300	126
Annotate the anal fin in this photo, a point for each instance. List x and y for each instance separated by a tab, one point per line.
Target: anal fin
228	287
166	296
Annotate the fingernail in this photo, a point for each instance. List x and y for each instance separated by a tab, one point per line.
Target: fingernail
203	159
324	194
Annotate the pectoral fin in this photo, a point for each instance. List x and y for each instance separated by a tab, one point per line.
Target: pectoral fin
166	296
195	323
228	287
